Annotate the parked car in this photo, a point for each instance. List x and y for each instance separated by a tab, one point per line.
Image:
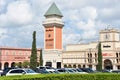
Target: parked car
77	70
54	72
65	70
88	70
1	72
115	71
45	67
45	70
6	70
106	71
61	70
42	71
18	71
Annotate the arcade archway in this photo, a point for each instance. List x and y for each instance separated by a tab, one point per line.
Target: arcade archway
6	65
13	64
108	64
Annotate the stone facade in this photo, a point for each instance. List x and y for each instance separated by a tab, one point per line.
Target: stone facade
85	55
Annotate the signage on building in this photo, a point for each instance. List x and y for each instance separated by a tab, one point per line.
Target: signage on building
19	57
49	40
107	54
49	30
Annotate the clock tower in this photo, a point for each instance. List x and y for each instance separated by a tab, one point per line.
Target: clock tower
53	37
109	38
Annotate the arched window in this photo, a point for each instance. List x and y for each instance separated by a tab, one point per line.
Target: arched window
116	54
95	55
20	64
69	66
74	66
118	66
79	66
13	64
88	57
84	66
65	65
117	60
90	66
88	54
6	64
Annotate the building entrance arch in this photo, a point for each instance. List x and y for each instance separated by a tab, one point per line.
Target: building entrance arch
108	64
13	64
6	65
58	64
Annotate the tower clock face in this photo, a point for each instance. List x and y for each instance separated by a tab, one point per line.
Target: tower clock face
106	36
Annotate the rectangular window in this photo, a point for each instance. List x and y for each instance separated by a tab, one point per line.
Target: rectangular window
0	52
6	53
13	53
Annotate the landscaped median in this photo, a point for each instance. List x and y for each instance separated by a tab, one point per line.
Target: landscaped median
99	76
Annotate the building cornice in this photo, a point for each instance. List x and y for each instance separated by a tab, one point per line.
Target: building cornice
13	48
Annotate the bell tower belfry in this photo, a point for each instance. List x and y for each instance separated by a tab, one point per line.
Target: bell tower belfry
53	37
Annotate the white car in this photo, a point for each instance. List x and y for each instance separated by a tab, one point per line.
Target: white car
1	72
19	71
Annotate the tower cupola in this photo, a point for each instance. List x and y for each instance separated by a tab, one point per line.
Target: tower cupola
53	17
53	10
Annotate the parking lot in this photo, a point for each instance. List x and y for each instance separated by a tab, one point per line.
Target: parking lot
50	70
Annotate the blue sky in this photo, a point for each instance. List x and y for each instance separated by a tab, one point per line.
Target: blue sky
83	19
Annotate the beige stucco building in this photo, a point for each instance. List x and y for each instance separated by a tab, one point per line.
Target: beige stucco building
85	55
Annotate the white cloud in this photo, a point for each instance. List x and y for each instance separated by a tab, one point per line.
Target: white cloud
40	6
2	35
72	4
2	32
71	38
90	34
2	3
83	19
86	25
109	14
18	13
88	13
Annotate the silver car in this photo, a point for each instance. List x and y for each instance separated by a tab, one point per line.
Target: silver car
19	71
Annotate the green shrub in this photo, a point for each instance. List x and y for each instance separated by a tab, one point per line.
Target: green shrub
100	76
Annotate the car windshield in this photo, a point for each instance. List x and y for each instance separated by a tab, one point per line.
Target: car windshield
90	70
61	70
70	70
44	71
49	67
56	71
79	70
42	67
29	71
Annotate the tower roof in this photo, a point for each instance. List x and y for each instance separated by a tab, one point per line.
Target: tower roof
53	10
